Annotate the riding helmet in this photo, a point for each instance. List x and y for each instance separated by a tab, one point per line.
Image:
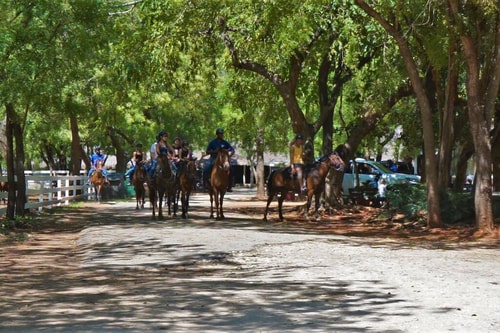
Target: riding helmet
97	148
298	136
219	131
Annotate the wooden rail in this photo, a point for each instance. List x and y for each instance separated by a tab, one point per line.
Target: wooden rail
46	190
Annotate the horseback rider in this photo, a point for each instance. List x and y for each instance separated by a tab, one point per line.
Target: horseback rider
297	159
186	153
97	157
176	155
137	156
212	150
163	148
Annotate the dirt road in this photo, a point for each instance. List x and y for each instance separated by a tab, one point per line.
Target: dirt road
124	272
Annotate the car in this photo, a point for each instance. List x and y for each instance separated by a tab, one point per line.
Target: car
362	172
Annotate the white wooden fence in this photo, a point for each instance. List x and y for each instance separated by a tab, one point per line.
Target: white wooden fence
50	188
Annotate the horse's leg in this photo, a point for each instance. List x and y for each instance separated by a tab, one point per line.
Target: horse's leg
175	205
317	196
211	193
186	202
221	201
216	199
280	206
143	196
309	201
152	200
270	198
137	196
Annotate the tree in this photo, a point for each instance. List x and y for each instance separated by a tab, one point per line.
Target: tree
434	216
473	22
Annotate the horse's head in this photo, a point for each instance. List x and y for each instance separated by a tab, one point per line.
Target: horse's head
99	165
336	162
163	162
222	159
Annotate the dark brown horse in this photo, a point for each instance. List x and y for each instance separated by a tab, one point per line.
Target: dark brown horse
4	187
282	181
187	180
315	179
219	181
162	183
98	180
138	179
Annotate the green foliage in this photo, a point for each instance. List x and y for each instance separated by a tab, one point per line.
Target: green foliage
456	207
411	200
408	199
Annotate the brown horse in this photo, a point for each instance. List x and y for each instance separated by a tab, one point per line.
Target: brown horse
162	183
315	179
4	187
282	181
187	180
98	180
219	181
138	179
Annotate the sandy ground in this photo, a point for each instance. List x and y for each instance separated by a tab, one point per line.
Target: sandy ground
109	268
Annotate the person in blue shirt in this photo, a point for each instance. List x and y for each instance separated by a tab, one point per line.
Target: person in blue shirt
94	159
212	150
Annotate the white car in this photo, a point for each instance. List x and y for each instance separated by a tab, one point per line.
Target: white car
366	171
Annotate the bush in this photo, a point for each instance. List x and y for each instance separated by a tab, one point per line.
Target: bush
411	200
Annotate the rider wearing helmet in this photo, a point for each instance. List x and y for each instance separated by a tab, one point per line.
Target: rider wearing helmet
212	149
96	157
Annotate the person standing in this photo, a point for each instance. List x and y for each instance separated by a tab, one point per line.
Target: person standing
212	150
382	189
297	160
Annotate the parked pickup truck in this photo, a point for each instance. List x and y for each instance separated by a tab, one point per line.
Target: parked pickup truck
361	172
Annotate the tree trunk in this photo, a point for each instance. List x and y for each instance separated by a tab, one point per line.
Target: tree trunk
465	153
22	197
447	123
11	176
77	153
495	148
433	211
482	93
479	122
259	174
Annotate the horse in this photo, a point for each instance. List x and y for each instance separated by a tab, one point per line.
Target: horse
138	179
98	180
163	182
282	180
315	179
187	180
219	181
4	187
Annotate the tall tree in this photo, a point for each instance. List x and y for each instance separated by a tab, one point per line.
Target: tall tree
393	29
474	21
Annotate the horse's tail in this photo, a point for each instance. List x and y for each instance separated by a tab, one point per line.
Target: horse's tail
270	179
